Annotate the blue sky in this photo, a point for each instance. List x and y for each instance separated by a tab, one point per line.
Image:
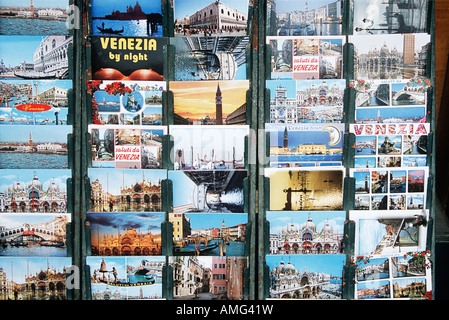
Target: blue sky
213	220
62	4
41	134
290	85
329	264
102	7
15	50
15	220
59	176
280	219
17	268
293	5
183	8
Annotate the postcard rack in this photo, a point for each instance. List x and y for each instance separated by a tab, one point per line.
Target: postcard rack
152	152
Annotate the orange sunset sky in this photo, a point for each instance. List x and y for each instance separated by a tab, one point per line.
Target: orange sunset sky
196	99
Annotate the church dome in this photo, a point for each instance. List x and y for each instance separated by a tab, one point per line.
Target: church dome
309	225
35	183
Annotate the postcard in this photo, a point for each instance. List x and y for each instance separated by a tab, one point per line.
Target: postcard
22	278
127	18
306	58
126	278
211	234
210	102
34	191
305	18
127	102
34	102
126	147
406	276
35	57
306	189
130	190
384	101
389	233
303	145
125	234
306	101
380	17
312	276
45	17
306	232
390	188
210	18
216	278
128	58
34	234
198	58
390	145
38	147
208	147
390	56
215	191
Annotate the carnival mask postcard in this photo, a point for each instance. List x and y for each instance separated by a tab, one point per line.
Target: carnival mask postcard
127	18
209	234
42	234
390	188
24	278
34	102
34	190
210	18
38	147
126	102
128	58
129	190
208	147
305	18
137	147
306	101
390	56
301	145
382	17
305	189
35	57
306	232
215	191
125	234
390	145
210	102
216	278
306	58
312	276
199	58
41	17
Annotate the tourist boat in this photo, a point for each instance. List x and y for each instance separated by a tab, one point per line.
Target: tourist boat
50	243
195	248
110	30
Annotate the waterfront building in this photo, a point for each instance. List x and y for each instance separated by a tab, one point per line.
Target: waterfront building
218	17
219	280
181	226
51	56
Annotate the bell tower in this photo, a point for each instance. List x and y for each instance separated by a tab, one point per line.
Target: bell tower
218	106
